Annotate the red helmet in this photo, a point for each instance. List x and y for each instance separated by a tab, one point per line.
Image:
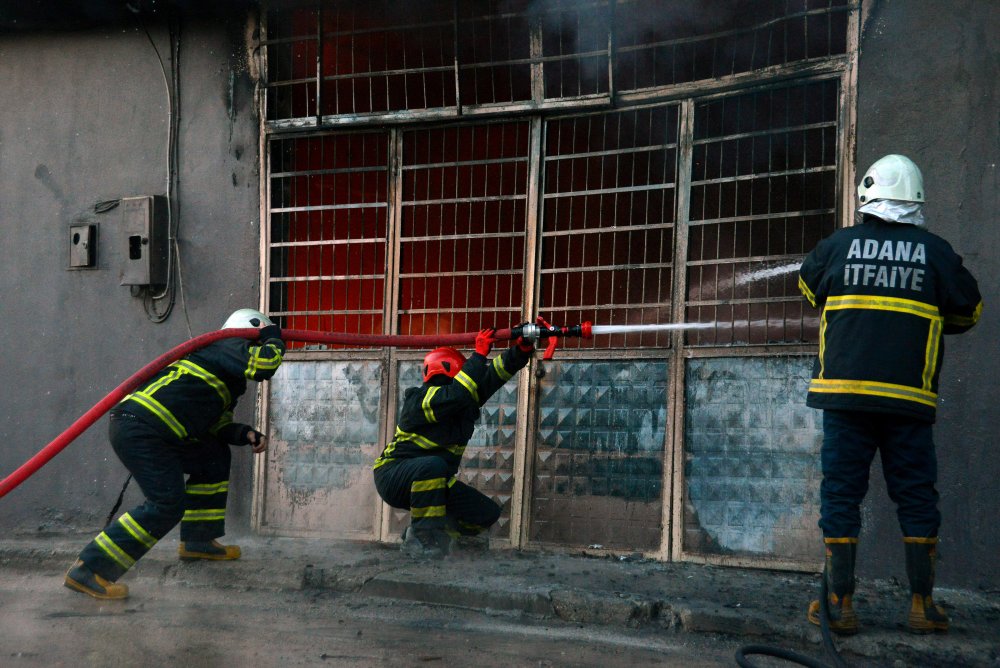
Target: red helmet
443	360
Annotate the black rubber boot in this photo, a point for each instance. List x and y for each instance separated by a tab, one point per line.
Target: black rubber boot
82	579
841	554
925	616
425	543
211	550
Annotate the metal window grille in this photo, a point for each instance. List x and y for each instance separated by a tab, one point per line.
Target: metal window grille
608	217
462	232
359	62
662	42
763	193
328	232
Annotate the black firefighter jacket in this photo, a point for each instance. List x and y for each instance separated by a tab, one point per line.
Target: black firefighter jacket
888	291
193	398
439	419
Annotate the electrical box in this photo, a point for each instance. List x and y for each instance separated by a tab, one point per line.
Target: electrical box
145	228
82	246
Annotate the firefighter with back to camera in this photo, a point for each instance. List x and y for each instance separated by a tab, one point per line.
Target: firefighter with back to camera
416	470
888	289
180	422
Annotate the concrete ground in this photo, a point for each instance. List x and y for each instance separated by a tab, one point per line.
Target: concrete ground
750	606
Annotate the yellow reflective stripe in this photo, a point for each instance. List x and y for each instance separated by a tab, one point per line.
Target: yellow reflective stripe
160	411
911	306
931	354
452	481
426	443
129	524
966	320
428	485
152	388
806	292
272	362
873	388
500	370
822	342
917	539
468	384
429	511
206	515
257	362
208	489
117	554
210	378
840	540
426	404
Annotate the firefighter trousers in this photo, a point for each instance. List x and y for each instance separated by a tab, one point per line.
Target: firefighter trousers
158	467
427	488
909	465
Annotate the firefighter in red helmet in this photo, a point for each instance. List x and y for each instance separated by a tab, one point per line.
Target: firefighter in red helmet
416	470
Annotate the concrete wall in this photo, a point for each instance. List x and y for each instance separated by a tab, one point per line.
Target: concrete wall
83	118
927	88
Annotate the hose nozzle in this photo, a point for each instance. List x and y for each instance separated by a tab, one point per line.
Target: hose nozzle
540	329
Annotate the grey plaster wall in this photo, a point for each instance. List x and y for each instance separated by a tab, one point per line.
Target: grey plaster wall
83	118
927	88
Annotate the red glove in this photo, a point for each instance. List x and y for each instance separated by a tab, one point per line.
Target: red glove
485	340
525	345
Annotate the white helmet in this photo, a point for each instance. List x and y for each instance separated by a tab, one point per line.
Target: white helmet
245	318
892	177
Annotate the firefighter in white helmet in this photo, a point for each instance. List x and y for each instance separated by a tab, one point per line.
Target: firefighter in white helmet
889	289
417	470
181	422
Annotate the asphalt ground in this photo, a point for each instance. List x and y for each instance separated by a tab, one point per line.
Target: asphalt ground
753	606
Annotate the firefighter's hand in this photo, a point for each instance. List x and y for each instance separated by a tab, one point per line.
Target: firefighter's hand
485	341
525	345
269	332
257	440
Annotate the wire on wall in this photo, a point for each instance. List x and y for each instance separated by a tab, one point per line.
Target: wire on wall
158	306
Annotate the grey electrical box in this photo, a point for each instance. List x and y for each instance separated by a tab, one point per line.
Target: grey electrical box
82	246
145	228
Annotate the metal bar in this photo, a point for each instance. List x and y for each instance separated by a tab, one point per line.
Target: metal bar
259	473
454	46
767	133
609	191
525	442
330	207
319	64
461	200
324	277
474	235
626	228
736	31
610	267
672	538
767	175
463	163
764	216
648	148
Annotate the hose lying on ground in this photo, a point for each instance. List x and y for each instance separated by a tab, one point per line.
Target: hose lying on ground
795	657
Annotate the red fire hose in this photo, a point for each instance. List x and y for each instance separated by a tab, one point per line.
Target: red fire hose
28	469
